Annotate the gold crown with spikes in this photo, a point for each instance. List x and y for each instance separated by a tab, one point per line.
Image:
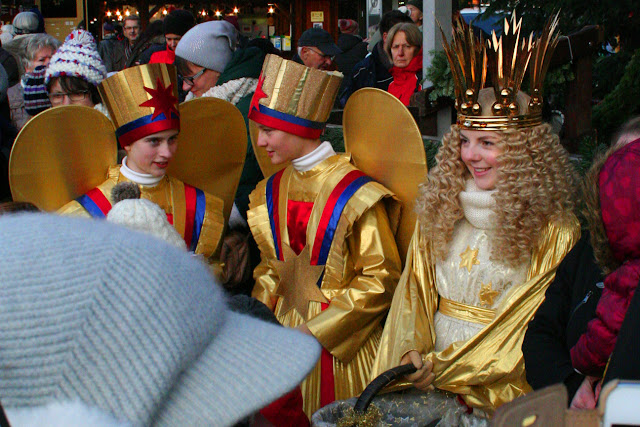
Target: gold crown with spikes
508	57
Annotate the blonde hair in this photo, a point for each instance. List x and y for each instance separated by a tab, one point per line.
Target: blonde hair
535	186
592	212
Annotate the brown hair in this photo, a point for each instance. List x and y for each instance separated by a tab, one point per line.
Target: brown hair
411	32
16	207
72	84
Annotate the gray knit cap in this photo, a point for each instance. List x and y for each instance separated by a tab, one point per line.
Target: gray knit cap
209	45
94	312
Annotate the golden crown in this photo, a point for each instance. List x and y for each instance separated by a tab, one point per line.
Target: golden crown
508	57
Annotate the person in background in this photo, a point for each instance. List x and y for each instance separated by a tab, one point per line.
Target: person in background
415	12
75	71
316	49
152	35
404	45
7	32
354	49
615	229
115	53
109	30
25	23
374	70
33	50
174	25
212	66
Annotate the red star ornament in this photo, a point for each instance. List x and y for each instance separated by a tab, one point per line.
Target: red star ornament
258	95
162	100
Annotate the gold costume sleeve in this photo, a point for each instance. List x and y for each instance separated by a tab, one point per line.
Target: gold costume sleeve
375	268
488	369
212	228
73	208
266	284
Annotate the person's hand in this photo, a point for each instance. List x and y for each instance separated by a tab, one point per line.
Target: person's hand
585	397
304	329
424	376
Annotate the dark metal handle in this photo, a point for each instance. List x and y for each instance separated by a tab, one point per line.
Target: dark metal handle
381	382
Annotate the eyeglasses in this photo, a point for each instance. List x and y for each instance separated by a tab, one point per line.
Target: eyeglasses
317	52
131	28
190	80
58	97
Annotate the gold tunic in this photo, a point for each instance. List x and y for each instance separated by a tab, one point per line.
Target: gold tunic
468	315
360	273
169	195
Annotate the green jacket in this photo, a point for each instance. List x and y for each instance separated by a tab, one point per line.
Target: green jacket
245	63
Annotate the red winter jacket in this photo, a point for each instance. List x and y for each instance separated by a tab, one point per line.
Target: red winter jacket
619	187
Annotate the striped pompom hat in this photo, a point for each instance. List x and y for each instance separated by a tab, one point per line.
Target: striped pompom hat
77	57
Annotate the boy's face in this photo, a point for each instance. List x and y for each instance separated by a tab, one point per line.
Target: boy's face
281	146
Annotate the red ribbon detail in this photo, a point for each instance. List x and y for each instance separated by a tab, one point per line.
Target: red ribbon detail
190	211
327	382
100	200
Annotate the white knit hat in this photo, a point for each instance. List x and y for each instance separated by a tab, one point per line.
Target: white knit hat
141	214
77	57
128	324
146	216
209	45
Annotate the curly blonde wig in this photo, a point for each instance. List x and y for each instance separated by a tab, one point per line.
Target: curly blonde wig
535	185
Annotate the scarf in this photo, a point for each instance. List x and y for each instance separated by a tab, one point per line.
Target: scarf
405	80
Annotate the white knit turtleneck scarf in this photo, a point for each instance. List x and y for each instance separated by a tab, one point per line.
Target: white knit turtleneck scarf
478	206
137	177
308	161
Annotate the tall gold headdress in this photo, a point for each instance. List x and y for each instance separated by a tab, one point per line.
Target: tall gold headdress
508	57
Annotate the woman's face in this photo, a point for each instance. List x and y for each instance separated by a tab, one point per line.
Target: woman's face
41	57
479	152
401	51
58	96
151	154
199	80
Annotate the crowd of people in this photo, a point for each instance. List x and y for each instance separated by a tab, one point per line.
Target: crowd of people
274	293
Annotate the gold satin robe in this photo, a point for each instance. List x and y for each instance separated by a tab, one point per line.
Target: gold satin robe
169	195
361	271
486	367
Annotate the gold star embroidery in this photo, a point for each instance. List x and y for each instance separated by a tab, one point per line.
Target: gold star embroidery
487	295
469	258
298	281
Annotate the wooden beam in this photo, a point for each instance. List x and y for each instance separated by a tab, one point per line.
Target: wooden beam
577	45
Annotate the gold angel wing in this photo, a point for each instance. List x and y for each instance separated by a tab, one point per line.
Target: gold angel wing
385	143
212	146
60	154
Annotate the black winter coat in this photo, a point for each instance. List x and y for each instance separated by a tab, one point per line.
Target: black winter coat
353	51
570	303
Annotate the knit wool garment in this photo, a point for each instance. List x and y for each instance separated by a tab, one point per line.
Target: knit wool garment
146	216
209	45
478	206
127	324
36	99
77	57
405	80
